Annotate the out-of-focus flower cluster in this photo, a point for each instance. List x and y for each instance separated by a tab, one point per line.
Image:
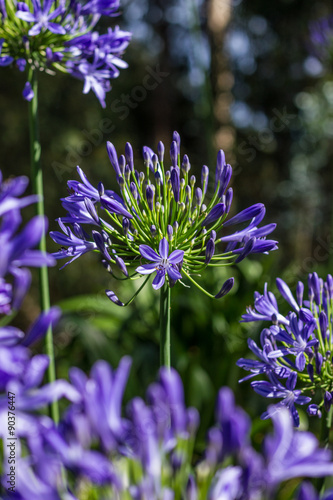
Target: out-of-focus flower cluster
296	349
163	222
49	35
148	453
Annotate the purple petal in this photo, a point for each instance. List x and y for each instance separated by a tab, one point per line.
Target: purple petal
41	325
146	269
286	293
164	248
149	253
159	279
174	273
176	256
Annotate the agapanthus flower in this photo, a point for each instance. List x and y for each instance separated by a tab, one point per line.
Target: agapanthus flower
296	348
60	36
18	246
161	222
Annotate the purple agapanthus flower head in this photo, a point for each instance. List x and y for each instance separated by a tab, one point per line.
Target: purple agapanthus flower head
161	218
296	346
67	29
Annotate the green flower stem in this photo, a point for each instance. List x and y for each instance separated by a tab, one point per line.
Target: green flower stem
165	309
37	182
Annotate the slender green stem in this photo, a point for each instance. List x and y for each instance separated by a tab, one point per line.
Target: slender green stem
37	182
165	326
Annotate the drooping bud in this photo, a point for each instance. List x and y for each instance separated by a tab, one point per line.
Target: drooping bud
226	287
328	397
313	411
113	297
99	240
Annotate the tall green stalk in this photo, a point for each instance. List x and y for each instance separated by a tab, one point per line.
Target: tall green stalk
165	358
37	183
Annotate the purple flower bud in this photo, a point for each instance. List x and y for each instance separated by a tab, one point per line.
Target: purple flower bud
129	156
153	230
247	214
228	199
319	362
134	190
91	210
160	151
113	157
226	287
175	226
192	180
122	164
213	234
176	138
175	182
323	322
113	297
328	400
21	64
204	178
121	264
186	166
216	212
127	173
313	411
315	285
309	369
210	250
170	232
330	285
193	420
191	489
150	196
101	189
174	154
247	249
158	178
99	240
299	293
219	166
225	179
198	196
126	224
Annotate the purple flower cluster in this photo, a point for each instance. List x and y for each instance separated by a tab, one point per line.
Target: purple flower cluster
53	35
160	216
147	453
296	349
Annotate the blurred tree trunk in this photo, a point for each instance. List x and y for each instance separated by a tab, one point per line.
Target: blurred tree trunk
218	18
